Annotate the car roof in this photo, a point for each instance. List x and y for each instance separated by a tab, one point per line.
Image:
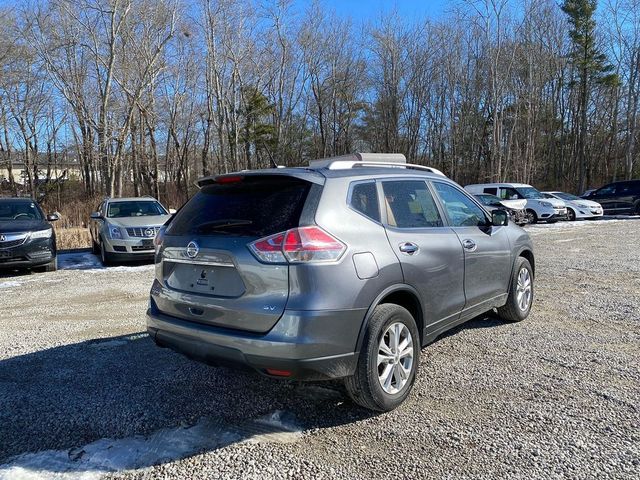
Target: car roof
18	199
131	199
500	184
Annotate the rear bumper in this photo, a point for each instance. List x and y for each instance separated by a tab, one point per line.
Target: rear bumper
308	345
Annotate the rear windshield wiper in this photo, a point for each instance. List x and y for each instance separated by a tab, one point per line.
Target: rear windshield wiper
221	225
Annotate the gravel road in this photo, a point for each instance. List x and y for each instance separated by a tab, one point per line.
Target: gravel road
85	394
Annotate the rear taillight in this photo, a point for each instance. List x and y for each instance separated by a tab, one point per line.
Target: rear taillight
298	245
157	241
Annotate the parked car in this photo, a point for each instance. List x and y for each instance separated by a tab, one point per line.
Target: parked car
344	269
515	208
618	198
537	207
577	208
123	229
27	239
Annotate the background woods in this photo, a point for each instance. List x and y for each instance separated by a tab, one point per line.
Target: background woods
142	97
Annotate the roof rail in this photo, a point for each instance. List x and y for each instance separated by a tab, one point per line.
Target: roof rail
393	160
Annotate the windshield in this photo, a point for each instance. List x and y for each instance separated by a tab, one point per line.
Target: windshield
486	199
16	210
135	208
529	192
566	196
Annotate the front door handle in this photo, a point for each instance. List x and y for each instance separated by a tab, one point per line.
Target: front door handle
408	248
469	245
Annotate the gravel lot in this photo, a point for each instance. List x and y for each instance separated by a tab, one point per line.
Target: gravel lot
84	393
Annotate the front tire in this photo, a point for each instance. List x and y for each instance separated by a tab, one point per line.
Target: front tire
571	215
388	360
520	296
52	266
532	217
105	257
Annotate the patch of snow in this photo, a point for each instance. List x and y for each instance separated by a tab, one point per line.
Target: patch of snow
563	225
98	458
89	261
10	284
78	261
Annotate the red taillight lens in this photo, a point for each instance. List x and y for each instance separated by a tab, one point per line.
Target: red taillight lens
230	179
298	245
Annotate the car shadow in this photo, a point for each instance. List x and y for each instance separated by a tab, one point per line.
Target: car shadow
72	399
486	320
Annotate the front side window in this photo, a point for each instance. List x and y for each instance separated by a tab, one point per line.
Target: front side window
135	208
461	210
508	193
409	204
364	199
607	190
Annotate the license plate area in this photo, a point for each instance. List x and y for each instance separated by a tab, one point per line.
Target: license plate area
147	242
204	279
4	254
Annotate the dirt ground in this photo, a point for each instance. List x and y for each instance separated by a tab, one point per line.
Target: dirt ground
84	393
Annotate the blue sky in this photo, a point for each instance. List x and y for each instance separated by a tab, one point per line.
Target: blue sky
371	9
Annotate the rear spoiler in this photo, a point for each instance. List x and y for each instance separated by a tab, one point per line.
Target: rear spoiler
300	173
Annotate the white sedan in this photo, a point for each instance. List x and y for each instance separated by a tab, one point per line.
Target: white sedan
577	207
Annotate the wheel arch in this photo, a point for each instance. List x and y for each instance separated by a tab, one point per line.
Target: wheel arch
400	294
528	254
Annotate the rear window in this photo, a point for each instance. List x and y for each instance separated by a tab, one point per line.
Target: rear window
255	206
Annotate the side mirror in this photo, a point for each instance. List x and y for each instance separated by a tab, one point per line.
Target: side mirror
53	217
172	211
499	218
96	216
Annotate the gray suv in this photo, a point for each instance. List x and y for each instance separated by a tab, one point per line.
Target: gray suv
344	269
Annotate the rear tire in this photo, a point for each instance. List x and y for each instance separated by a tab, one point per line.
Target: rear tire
518	308
636	210
372	385
532	217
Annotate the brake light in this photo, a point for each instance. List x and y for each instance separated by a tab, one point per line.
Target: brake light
229	179
298	245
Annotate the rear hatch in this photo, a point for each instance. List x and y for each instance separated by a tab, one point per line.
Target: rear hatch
210	274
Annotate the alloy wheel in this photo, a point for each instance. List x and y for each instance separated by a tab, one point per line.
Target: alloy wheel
524	289
395	358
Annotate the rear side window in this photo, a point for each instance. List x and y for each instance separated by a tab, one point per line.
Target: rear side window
364	199
409	204
254	206
491	190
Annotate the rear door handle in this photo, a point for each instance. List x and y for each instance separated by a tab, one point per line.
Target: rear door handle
408	248
469	245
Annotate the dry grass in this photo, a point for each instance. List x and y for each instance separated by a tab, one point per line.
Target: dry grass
74	237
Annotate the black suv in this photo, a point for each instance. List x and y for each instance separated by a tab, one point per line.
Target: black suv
27	239
618	197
